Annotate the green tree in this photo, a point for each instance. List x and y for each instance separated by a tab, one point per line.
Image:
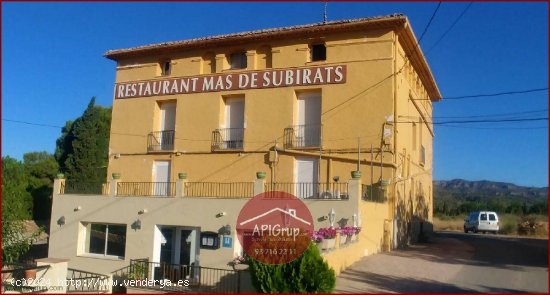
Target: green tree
41	169
83	147
16	200
63	145
307	274
16	207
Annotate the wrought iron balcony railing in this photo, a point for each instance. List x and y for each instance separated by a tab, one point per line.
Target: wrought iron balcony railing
227	139
160	141
163	189
311	190
302	136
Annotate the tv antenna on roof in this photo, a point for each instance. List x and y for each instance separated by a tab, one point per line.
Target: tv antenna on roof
325	14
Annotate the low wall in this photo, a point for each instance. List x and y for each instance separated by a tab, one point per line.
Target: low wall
370	240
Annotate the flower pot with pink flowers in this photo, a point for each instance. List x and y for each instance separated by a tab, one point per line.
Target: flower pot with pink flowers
325	238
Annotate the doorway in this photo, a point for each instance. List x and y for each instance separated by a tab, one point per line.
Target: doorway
161	178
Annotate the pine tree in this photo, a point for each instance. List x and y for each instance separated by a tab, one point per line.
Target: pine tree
307	274
83	148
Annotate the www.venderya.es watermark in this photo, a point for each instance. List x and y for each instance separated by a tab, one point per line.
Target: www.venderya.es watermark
88	284
274	227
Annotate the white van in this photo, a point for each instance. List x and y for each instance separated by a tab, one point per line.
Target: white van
482	221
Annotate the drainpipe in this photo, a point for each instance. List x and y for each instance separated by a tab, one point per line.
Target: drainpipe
394	190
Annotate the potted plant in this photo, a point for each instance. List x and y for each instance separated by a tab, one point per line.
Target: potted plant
328	235
30	274
182	175
60	176
346	234
317	239
355	174
239	263
116	175
384	182
260	175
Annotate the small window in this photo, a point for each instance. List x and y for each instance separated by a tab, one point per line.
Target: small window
492	217
318	52
422	155
483	217
106	239
165	68
238	60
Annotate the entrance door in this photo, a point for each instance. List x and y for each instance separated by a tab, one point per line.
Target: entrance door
306	177
176	253
161	176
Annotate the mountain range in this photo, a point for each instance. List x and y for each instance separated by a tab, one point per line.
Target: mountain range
484	188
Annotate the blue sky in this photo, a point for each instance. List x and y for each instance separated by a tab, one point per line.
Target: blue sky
52	65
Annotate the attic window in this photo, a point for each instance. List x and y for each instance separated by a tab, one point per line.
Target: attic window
238	60
318	52
165	68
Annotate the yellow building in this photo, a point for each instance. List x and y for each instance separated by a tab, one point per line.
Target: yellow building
193	121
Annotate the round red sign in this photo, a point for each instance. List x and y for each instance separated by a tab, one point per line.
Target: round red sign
275	227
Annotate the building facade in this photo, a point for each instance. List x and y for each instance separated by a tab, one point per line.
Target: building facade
193	122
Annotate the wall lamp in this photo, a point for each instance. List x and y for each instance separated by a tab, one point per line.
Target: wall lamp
142	211
77	208
332	217
136	225
226	230
61	221
221	214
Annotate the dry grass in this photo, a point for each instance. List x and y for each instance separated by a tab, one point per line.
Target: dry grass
508	224
445	223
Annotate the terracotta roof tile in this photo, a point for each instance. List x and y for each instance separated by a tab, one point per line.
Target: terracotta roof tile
234	36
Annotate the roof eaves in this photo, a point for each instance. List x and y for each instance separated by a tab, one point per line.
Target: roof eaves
242	36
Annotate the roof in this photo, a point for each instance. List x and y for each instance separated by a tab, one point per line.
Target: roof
399	22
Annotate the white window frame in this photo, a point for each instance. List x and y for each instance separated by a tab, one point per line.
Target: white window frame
88	227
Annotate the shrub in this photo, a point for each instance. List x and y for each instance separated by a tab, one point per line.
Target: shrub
530	226
307	274
508	227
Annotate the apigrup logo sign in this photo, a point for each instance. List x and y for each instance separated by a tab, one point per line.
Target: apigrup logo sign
275	227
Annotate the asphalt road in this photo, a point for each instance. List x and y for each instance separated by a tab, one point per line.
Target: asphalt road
453	262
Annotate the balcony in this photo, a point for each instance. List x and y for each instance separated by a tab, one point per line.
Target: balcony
227	139
302	136
159	141
159	189
317	190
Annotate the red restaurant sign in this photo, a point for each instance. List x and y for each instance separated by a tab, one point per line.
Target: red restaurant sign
335	74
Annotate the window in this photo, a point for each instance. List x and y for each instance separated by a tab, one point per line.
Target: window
308	117
163	138
318	52
483	217
165	68
106	239
422	155
237	60
492	217
306	172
